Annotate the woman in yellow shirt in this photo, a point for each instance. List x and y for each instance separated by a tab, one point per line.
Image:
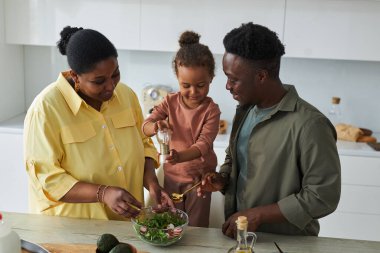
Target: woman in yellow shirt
84	151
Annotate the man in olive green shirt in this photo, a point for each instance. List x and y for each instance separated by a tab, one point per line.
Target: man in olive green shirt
282	167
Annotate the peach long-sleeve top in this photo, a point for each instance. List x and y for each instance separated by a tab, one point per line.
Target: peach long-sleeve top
191	127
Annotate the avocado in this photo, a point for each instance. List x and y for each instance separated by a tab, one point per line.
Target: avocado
122	248
106	242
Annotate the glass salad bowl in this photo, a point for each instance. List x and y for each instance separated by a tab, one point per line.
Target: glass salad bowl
160	228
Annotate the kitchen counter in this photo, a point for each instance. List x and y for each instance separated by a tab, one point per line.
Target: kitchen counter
346	148
47	229
15	126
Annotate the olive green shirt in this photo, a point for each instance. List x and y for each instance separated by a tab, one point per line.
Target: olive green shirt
292	161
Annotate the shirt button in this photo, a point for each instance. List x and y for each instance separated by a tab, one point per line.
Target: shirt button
112	147
119	168
104	126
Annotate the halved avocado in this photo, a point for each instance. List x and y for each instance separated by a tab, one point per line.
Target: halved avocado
106	242
122	248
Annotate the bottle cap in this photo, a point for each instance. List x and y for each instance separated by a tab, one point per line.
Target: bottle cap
242	222
335	100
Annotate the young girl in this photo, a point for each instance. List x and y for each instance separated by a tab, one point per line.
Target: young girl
193	118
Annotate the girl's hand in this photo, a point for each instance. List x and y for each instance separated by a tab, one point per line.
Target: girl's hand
121	201
161	125
173	157
211	182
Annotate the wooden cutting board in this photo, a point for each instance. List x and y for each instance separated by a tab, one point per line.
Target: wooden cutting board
71	248
66	248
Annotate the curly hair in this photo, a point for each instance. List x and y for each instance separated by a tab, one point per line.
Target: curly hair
193	54
256	43
84	48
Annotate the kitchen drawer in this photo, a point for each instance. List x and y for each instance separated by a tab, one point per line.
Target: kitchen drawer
360	199
351	226
216	210
13	175
360	170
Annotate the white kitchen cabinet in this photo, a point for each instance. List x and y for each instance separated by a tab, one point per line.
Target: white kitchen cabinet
163	21
39	22
358	212
328	29
13	176
12	74
332	29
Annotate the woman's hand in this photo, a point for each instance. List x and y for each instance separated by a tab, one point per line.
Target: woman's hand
161	198
211	182
121	201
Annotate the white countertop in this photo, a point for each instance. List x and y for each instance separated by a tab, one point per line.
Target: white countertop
15	126
346	148
49	229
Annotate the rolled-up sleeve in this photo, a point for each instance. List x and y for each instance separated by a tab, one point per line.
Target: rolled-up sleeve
321	181
209	131
43	154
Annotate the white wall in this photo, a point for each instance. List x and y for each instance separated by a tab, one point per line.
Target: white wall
12	99
356	82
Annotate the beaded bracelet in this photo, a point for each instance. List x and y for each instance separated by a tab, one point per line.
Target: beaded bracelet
98	191
104	192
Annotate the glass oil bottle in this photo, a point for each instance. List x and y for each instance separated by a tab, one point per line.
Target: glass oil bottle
245	240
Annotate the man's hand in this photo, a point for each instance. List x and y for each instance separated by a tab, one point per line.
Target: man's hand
211	182
253	217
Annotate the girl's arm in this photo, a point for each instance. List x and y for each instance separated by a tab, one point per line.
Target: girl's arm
150	128
183	156
204	143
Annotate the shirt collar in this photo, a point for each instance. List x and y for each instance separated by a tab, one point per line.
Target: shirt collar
289	101
73	100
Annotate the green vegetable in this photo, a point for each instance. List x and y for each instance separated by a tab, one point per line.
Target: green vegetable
161	220
160	228
106	242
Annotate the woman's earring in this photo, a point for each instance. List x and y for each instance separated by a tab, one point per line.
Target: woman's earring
76	87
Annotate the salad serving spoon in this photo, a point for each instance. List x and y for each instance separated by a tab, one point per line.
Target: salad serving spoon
177	197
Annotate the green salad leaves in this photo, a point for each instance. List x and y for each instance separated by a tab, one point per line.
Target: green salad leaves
161	220
161	228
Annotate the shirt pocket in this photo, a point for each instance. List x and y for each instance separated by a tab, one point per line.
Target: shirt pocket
123	119
77	133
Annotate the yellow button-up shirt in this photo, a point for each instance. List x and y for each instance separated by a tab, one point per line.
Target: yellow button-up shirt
66	141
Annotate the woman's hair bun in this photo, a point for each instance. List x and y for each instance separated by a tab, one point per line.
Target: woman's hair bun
188	38
66	34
